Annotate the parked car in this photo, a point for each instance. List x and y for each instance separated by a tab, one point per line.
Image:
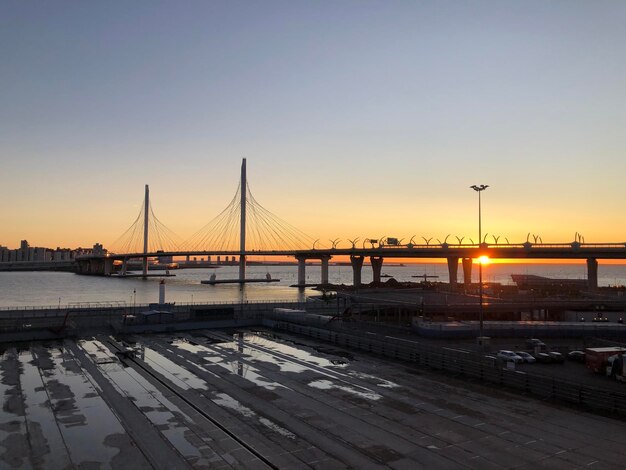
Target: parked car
526	357
543	358
578	356
509	356
615	367
556	356
533	343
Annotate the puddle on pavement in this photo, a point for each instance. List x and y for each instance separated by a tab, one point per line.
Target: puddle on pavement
305	355
260	340
87	425
128	382
362	393
202	351
175	373
12	422
335	366
379	382
84	419
226	401
153	404
238	367
44	433
262	348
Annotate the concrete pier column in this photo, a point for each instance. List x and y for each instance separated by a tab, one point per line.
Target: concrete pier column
242	267
124	266
108	266
377	266
467	271
592	273
301	270
453	270
325	260
357	264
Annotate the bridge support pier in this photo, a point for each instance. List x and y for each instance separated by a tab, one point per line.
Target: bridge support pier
124	266
377	266
301	270
242	267
453	271
324	279
592	273
357	264
108	266
467	271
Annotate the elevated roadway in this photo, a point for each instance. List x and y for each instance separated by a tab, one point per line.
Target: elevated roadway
591	252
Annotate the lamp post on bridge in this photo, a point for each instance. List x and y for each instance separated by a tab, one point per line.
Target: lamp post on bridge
479	189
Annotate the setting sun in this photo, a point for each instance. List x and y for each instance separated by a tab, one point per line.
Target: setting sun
483	259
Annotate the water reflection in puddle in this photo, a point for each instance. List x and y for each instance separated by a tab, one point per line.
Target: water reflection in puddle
226	401
288	358
12	422
84	419
237	366
328	385
244	370
379	382
332	365
202	351
42	425
177	374
297	353
154	405
130	383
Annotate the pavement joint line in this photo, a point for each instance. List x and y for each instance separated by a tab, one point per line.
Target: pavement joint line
221	426
183	356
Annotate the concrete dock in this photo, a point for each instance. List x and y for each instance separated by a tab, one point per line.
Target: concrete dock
257	399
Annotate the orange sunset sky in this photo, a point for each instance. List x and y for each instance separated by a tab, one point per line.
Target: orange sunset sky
357	119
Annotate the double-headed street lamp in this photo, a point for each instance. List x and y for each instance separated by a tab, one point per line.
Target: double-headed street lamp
479	189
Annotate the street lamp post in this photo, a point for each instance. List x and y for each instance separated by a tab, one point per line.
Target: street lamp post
479	189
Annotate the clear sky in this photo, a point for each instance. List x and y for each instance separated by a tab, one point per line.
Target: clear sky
358	118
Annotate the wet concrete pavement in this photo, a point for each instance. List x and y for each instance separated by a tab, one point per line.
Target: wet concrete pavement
224	399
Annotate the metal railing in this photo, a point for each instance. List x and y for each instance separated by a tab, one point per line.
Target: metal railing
126	304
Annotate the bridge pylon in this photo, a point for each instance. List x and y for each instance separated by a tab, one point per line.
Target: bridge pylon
242	233
146	214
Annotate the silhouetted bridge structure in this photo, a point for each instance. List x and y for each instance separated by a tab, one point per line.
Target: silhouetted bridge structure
104	265
228	232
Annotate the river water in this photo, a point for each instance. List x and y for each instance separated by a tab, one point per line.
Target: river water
54	288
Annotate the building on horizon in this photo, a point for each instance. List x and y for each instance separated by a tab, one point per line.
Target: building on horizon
27	253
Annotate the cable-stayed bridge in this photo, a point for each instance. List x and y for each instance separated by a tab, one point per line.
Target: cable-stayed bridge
245	228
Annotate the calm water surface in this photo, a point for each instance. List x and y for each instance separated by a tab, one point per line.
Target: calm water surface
51	288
